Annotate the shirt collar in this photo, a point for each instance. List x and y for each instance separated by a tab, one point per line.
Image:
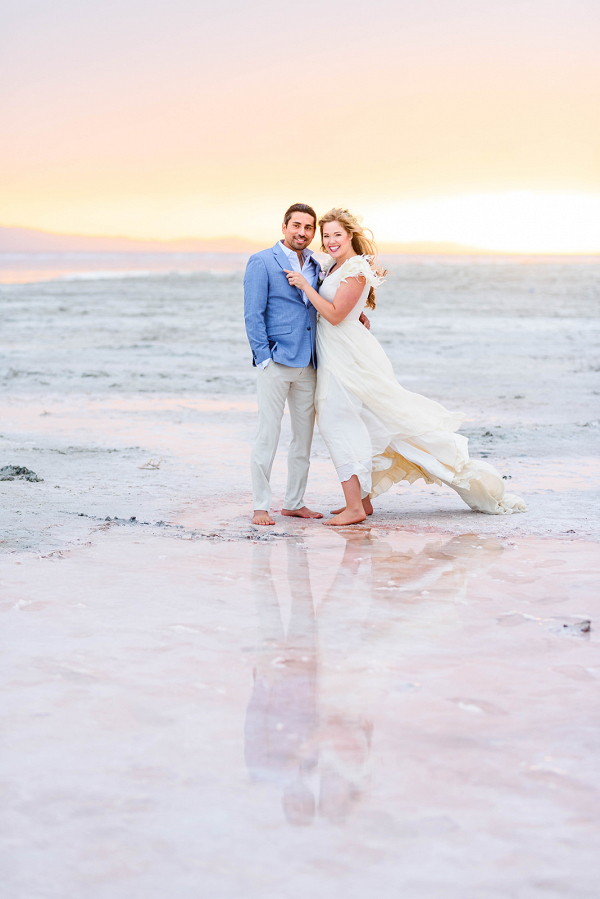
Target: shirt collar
306	254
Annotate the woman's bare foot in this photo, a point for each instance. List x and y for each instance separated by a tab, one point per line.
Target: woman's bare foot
354	516
301	513
367	506
261	517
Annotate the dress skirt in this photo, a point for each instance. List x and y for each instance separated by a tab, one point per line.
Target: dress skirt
384	434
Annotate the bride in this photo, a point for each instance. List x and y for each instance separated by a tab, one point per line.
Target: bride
377	432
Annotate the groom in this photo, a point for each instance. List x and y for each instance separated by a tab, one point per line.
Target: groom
281	326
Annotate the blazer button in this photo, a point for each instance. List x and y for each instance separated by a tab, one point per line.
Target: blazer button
308	329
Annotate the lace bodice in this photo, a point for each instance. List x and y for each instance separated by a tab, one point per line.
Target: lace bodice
356	265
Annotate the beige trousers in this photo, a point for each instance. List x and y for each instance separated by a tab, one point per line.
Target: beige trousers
274	385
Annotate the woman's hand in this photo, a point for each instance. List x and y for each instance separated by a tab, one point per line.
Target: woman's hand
346	296
296	279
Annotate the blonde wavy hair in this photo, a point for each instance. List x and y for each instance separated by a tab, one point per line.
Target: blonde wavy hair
361	244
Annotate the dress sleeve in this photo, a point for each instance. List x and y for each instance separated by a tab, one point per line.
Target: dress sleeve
359	265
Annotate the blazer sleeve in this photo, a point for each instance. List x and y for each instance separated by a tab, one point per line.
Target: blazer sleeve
256	293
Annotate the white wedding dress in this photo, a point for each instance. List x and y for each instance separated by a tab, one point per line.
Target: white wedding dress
379	431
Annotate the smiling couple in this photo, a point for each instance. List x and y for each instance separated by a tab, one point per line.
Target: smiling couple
377	433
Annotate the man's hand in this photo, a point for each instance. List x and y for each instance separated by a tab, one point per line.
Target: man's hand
365	321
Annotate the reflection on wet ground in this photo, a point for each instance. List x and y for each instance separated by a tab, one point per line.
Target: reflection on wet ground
351	713
297	732
308	725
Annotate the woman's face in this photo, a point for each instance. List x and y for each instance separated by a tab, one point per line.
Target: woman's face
336	240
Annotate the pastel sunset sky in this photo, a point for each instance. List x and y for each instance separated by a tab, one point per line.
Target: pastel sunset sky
472	121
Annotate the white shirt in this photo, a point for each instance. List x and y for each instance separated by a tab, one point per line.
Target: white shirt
295	263
307	258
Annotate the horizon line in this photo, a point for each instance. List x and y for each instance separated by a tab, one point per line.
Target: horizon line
428	247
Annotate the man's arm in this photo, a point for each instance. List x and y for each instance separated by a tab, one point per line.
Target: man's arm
256	292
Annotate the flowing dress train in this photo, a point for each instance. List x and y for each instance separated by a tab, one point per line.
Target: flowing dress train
379	431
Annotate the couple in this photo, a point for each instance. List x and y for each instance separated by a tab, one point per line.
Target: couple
377	433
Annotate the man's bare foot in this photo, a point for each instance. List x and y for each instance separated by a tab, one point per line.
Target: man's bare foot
367	506
261	517
347	517
301	513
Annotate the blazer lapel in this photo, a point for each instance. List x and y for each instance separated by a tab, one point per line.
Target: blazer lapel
316	270
281	257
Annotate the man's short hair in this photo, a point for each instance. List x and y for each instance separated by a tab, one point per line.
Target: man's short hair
299	207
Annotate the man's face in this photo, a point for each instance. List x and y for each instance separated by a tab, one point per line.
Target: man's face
299	231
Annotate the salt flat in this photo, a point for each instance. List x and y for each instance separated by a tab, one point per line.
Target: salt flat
100	375
197	707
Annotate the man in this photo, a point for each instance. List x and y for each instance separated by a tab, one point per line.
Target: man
281	326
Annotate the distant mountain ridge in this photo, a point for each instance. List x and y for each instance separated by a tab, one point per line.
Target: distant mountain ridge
15	239
30	240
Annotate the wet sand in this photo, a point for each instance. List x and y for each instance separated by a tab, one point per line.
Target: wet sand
196	706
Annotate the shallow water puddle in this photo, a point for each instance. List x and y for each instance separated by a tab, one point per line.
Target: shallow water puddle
348	712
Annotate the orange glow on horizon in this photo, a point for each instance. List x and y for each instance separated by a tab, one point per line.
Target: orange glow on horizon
460	123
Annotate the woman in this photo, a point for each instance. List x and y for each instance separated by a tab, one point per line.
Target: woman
377	432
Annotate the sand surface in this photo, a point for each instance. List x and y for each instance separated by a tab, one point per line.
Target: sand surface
195	706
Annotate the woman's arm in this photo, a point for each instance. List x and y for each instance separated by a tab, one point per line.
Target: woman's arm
346	296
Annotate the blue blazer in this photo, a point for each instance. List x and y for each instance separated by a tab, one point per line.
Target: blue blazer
279	325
